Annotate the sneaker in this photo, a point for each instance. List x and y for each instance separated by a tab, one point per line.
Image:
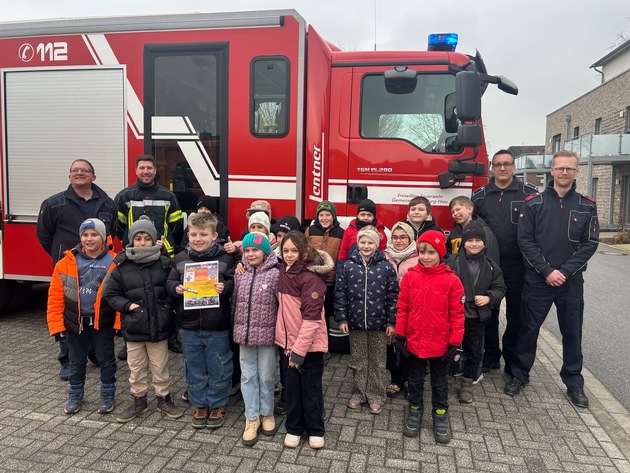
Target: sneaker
185	396
166	405
488	365
269	426
75	399
514	386
393	390
354	402
479	378
577	397
466	391
108	393
250	434
217	417
316	442
292	441
441	428
200	418
376	408
235	389
139	406
411	427
122	354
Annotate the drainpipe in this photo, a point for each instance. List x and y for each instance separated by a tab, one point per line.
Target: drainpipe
611	203
566	137
589	184
601	72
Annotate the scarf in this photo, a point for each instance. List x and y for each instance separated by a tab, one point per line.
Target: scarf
143	254
398	256
477	285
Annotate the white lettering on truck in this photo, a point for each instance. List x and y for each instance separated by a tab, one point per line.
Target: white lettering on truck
318	172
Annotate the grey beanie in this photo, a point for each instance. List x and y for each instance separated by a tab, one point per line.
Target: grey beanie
142	225
94	224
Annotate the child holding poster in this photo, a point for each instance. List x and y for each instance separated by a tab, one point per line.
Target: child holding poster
202	279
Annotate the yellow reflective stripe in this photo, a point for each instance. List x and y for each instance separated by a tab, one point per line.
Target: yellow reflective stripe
175	216
121	218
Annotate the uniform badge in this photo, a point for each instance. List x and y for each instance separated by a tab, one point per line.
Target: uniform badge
314	295
463	299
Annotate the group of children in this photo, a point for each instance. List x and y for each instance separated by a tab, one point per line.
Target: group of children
405	309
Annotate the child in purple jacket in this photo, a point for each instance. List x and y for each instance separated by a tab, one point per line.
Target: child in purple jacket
255	308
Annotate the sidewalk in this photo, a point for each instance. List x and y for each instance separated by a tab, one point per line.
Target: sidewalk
536	431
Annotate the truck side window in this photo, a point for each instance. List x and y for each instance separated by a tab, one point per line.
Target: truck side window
269	104
417	117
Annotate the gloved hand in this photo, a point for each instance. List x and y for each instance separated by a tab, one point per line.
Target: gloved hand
400	349
451	356
60	336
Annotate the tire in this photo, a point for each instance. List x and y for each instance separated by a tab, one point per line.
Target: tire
13	295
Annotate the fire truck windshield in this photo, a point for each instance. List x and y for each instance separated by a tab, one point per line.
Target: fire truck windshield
425	117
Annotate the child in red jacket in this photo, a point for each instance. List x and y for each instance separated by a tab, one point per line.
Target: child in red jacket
429	329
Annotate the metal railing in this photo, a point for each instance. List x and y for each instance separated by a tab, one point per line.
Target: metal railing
600	145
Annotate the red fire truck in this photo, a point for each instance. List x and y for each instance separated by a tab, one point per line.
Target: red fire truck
245	106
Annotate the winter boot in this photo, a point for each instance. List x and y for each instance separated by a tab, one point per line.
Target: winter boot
441	429
269	425
250	435
412	422
466	391
75	399
138	407
108	393
167	406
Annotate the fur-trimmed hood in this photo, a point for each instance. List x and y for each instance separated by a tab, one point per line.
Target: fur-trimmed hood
323	265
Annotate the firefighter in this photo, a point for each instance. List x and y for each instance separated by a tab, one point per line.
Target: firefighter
558	232
499	204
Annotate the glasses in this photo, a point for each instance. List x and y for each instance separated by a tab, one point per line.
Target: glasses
400	238
503	165
80	171
561	170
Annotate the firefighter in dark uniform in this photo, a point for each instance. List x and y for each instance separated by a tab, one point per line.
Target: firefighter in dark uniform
558	233
499	205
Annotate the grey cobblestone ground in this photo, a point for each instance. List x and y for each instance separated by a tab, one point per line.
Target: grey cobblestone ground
537	431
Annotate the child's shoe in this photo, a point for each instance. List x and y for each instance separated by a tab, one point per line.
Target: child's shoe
269	426
250	434
75	399
166	405
292	441
412	422
200	417
217	417
441	429
316	442
466	391
138	407
108	393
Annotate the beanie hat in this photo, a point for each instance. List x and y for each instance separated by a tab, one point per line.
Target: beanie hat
287	223
473	231
436	240
94	224
371	232
260	217
142	225
259	240
367	205
406	228
329	207
260	206
208	202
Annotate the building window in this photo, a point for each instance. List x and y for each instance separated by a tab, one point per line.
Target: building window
576	132
555	143
594	188
598	126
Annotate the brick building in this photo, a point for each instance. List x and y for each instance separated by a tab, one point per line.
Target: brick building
597	127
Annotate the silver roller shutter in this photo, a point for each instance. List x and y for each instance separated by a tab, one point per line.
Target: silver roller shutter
54	116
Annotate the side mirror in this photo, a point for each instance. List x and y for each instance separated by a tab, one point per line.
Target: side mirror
468	90
469	135
506	85
401	80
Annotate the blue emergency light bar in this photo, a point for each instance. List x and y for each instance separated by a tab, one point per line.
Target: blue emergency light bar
443	42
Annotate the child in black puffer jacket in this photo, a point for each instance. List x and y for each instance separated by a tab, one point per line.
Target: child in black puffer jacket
137	289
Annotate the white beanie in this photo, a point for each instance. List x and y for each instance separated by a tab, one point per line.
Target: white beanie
262	218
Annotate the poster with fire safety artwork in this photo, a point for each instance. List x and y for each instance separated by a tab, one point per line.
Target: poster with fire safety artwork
200	284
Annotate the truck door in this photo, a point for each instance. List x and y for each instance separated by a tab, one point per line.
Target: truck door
401	139
186	114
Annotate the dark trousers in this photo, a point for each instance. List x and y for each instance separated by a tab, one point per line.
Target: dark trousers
439	382
473	346
399	374
514	277
569	301
63	357
492	351
283	365
79	346
304	397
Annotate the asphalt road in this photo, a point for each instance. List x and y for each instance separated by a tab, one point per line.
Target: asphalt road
606	331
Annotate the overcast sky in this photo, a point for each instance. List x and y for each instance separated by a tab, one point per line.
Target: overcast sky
544	46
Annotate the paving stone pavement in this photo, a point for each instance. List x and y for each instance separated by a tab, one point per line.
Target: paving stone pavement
537	431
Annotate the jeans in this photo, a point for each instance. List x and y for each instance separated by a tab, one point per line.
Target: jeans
439	381
258	373
208	366
305	401
79	346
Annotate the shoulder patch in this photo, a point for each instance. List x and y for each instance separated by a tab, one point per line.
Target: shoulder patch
531	196
463	299
588	198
